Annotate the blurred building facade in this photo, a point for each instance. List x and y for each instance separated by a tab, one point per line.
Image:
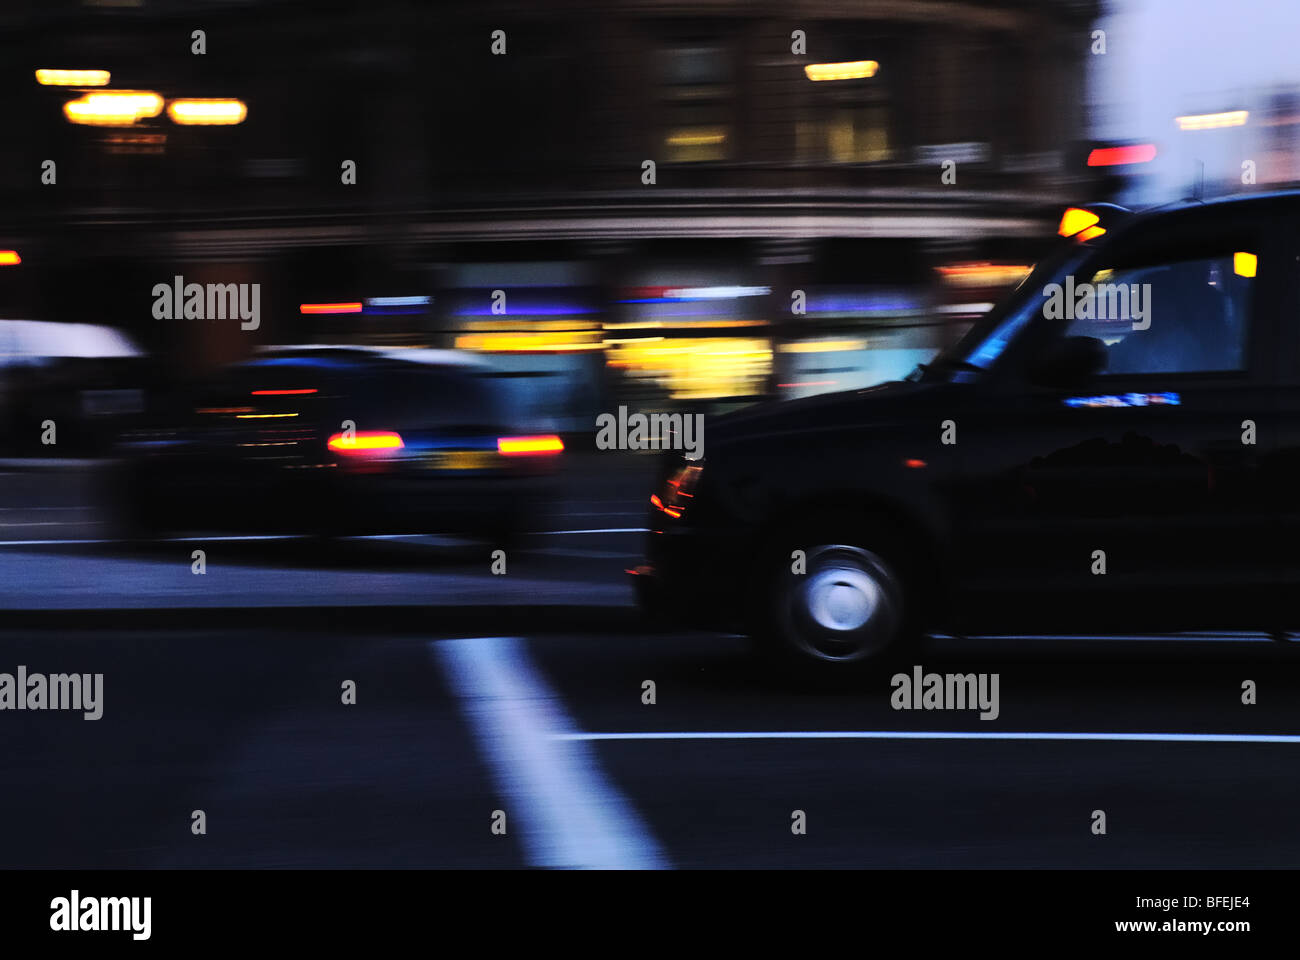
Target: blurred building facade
517	162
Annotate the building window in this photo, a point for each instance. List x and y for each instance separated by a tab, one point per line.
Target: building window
845	114
697	95
844	134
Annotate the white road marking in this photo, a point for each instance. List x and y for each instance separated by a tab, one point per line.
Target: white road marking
24	509
937	735
41	543
266	536
273	536
567	814
556	533
48	523
1190	636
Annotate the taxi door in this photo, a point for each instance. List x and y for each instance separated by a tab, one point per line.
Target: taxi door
1139	495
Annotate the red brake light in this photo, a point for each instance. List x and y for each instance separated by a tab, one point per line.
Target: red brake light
283	393
547	445
1118	156
308	309
365	442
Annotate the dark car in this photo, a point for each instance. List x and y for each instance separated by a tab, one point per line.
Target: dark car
339	441
68	389
1070	465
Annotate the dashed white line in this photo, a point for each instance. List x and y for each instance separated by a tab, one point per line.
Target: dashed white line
569	814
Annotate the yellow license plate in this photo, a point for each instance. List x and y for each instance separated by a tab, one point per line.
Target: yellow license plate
462	460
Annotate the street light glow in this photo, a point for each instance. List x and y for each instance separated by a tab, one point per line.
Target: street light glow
850	70
113	108
72	78
210	112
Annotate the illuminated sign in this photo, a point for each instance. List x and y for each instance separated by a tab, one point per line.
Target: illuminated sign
1126	400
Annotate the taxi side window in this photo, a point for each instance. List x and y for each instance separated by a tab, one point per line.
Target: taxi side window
1182	316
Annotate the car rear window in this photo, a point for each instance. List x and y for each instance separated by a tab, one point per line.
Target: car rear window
374	394
441	396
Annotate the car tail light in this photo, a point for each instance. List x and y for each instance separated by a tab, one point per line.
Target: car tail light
539	446
678	490
366	443
1122	155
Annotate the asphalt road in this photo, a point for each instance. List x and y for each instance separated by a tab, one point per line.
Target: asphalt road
249	727
485	740
57	551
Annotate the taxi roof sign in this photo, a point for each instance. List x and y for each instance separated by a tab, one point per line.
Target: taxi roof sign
1075	220
1085	223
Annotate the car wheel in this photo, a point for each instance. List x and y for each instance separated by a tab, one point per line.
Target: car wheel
844	607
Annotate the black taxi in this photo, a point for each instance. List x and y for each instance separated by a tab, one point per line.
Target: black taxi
1114	447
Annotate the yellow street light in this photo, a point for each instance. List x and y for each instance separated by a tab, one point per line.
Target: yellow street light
213	112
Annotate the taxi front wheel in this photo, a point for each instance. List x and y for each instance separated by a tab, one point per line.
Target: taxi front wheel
839	605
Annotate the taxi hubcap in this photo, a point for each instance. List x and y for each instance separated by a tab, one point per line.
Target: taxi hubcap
842	599
846	607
